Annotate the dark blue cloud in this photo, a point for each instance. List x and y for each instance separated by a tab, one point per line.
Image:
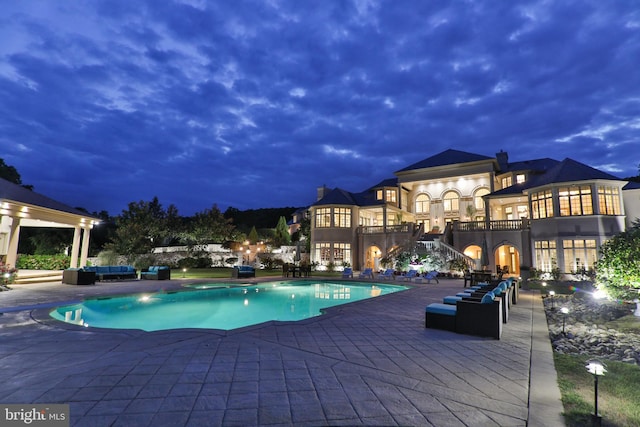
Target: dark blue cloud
255	104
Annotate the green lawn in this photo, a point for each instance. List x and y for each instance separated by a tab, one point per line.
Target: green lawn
618	392
618	389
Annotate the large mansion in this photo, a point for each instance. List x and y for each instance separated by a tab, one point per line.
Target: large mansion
540	213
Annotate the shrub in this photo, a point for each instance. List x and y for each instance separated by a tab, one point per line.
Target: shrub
618	270
43	262
191	262
7	274
231	261
143	262
108	258
459	265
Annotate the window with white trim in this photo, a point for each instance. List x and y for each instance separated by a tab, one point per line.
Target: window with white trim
323	217
423	203
342	217
391	196
542	204
451	202
506	181
575	201
341	253
579	255
609	200
478	201
545	254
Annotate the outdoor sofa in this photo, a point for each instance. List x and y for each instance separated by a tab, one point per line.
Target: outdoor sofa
78	276
243	271
156	272
113	272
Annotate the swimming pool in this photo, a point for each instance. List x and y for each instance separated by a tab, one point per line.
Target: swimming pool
211	306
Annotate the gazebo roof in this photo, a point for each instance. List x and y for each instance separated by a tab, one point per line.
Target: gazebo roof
35	209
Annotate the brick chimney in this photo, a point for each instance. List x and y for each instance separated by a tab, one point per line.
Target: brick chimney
322	191
503	160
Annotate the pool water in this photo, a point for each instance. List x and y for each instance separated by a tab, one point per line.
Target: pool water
211	307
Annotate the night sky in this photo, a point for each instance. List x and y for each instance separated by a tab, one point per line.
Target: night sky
255	104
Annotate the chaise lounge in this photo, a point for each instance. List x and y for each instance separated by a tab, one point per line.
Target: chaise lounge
367	273
481	318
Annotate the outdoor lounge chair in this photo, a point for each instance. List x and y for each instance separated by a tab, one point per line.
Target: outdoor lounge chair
367	273
502	291
411	274
388	274
347	273
481	318
432	275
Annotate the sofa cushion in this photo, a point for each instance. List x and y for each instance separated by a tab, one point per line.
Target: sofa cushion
450	299
487	298
438	308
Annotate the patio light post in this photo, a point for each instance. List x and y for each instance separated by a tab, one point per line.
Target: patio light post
596	368
552	294
564	311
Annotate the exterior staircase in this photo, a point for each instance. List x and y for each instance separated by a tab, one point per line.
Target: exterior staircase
423	247
25	277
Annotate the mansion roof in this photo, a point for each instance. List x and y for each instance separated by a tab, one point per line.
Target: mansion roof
447	157
542	172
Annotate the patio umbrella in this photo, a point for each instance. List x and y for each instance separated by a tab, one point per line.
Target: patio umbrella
484	253
297	256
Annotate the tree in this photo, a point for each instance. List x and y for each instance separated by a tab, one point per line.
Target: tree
11	174
618	270
253	236
142	227
208	226
281	235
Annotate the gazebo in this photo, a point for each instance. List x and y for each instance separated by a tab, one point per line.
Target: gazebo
21	207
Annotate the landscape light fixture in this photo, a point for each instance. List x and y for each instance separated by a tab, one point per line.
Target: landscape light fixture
565	311
596	368
184	270
552	294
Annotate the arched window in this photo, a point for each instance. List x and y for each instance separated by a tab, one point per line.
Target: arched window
422	204
451	202
478	201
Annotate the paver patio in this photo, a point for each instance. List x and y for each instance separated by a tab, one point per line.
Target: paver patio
365	363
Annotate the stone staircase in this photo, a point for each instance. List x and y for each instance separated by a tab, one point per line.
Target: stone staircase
25	277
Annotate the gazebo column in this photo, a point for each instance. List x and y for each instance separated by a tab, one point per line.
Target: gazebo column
75	247
86	231
14	237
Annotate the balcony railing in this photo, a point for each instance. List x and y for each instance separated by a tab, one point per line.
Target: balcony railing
498	225
377	229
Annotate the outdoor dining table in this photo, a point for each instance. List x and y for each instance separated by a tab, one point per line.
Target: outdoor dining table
480	277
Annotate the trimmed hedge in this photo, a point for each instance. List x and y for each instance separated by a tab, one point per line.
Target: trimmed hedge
43	262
